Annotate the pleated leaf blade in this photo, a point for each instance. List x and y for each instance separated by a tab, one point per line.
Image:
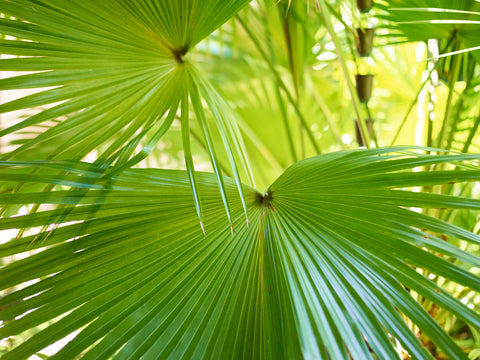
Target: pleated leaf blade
321	272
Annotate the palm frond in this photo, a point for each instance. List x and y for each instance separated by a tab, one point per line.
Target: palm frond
447	20
113	81
326	269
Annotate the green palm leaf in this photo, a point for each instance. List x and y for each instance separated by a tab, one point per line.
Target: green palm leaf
449	21
325	270
115	81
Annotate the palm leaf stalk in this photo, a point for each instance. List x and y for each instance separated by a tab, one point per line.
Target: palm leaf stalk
281	84
324	12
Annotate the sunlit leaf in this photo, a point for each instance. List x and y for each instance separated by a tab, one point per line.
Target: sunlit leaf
115	81
441	19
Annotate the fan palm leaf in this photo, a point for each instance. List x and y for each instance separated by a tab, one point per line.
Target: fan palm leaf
114	80
325	269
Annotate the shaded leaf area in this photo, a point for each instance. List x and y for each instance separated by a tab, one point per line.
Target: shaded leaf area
442	19
325	268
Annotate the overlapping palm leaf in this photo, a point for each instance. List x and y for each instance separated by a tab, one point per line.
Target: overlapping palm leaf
116	78
326	268
441	19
